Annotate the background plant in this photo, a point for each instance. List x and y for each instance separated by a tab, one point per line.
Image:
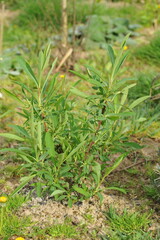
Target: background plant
150	53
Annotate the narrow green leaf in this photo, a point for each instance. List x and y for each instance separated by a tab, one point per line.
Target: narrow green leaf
117	189
20	130
81	191
24	86
56	192
13	96
4	114
124	81
119	63
12	136
79	75
128	87
19	152
96	83
70	202
125	40
50	144
78	93
39	189
26	67
49	73
133	145
100	197
111	54
97	169
64	170
115	165
22	185
11	150
75	150
138	101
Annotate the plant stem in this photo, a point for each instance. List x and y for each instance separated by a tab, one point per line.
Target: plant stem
1	220
39	122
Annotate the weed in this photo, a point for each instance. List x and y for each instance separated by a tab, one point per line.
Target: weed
89	217
15	202
10	223
115	235
63	230
14	225
127	223
9	170
127	226
152	190
58	147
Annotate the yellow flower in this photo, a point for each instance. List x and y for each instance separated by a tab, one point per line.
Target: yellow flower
158	6
62	76
3	199
20	238
125	48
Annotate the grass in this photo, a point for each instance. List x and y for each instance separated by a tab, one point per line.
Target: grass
10	223
128	226
64	230
14	226
150	53
127	223
115	235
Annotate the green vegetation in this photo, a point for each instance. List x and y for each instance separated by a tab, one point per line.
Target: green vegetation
127	225
10	223
150	53
49	120
80	121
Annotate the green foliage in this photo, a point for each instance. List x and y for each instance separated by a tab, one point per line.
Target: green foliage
63	231
128	226
115	235
148	112
143	86
153	190
64	153
40	13
150	53
10	223
126	222
99	30
150	12
15	202
14	225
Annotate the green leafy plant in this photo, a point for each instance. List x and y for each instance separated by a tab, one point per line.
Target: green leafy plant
63	230
14	225
153	190
66	153
127	225
15	202
116	235
108	110
10	223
